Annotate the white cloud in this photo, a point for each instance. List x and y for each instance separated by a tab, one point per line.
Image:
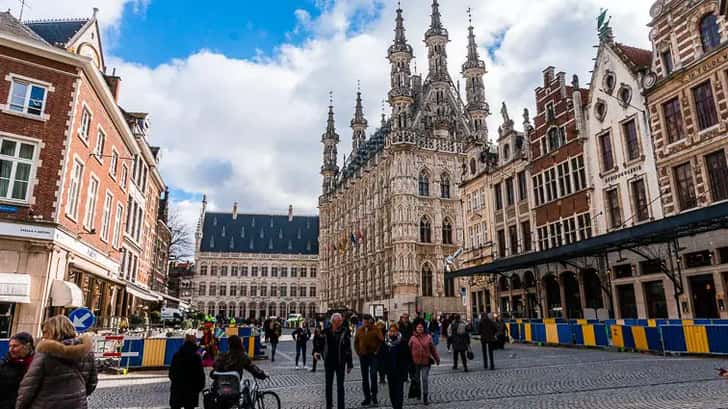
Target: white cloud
249	130
110	11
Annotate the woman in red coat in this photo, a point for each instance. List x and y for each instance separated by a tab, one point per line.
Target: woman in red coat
424	355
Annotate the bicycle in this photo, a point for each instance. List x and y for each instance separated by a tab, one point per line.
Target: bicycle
248	396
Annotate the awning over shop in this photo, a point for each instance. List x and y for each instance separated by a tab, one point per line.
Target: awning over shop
142	293
661	231
92	268
65	294
15	287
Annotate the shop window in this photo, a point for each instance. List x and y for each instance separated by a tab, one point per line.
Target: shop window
698	259
622	270
653	266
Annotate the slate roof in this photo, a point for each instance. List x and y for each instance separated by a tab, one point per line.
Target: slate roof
11	25
371	147
57	32
259	233
639	58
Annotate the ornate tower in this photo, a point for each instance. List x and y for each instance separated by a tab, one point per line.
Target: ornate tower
436	39
359	125
473	71
401	96
330	139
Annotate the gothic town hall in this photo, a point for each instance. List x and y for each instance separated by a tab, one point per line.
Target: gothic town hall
390	215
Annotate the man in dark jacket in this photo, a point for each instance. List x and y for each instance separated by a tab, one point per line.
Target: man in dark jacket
487	330
301	335
186	375
367	342
13	366
394	358
406	329
337	359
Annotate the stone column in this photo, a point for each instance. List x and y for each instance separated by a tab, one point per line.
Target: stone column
562	295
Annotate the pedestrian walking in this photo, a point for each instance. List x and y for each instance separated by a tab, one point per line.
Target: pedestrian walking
435	331
393	359
13	367
460	339
380	368
367	342
424	354
501	335
236	359
208	343
186	375
337	359
487	330
406	329
63	371
446	331
301	335
275	334
318	341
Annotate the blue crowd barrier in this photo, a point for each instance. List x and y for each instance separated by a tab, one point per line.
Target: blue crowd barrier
4	346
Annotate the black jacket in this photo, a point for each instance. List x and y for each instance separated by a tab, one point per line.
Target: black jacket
394	356
11	373
237	361
301	335
337	348
487	330
187	376
460	342
319	342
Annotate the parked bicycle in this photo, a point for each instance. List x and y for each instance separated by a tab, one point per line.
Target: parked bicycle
228	391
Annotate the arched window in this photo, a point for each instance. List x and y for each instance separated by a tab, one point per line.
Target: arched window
425	230
272	310
424	185
506	152
427	281
445	186
241	310
282	310
709	33
231	310
446	232
472	166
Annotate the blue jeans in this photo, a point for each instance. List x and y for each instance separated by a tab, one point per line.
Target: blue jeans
301	352
436	338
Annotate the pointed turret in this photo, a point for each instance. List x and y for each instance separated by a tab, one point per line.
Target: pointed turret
330	139
473	72
359	125
436	39
400	94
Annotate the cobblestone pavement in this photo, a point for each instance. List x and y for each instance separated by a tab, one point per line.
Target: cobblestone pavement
525	377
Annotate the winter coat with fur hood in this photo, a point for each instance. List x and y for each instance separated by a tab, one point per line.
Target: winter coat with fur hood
61	376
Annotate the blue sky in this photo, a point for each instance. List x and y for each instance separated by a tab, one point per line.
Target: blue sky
165	29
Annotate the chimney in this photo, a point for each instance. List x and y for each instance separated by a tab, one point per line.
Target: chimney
548	76
235	211
290	213
114	83
562	83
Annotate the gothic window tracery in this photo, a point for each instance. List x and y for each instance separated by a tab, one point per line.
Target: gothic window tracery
424	184
425	230
709	32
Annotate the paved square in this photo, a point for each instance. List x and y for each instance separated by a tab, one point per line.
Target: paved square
525	377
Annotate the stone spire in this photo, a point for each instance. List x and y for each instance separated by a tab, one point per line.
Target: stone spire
358	124
400	93
436	39
330	139
473	71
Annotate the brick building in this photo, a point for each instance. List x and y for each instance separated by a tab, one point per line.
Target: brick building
64	158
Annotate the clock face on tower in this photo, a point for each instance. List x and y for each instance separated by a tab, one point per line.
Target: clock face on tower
87	50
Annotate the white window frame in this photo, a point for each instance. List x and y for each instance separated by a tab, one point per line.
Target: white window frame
29	82
84	127
117	224
100	143
74	194
114	162
124	176
91	200
15	160
106	219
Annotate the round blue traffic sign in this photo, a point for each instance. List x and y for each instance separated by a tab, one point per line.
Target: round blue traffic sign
82	319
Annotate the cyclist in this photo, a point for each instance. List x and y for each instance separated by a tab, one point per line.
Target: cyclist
237	360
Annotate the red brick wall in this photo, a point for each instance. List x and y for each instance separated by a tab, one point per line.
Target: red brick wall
78	149
52	132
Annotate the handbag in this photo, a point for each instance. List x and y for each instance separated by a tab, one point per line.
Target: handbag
470	354
414	390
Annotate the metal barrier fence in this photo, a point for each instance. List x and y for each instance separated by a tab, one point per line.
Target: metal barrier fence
137	352
709	337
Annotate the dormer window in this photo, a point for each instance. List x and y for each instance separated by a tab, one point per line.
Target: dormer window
610	82
625	95
600	110
550	115
506	152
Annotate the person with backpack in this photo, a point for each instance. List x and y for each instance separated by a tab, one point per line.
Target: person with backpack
460	341
226	389
301	335
186	375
